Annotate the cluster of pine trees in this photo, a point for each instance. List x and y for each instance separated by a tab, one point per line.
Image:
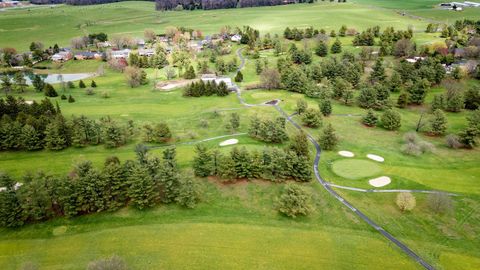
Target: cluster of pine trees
42	126
267	130
142	183
272	163
200	88
158	60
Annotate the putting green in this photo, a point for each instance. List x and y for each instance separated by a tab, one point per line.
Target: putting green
355	168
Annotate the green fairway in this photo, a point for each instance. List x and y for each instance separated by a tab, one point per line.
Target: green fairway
355	168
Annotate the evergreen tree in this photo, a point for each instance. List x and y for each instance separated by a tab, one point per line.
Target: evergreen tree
312	118
38	83
378	72
370	119
336	47
117	182
93	84
162	133
10	208
226	168
472	98
20	82
468	137
402	100
438	103
81	84
438	123
302	106
239	77
328	140
299	144
454	101
391	120
188	193
300	169
5	84
49	91
395	83
57	134
294	201
70	99
141	190
234	121
367	98
321	49
31	139
325	107
202	162
418	92
189	73
113	135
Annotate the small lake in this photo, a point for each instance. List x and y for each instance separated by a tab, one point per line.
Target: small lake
57	78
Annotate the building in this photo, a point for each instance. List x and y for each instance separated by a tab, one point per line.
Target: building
120	54
213	78
61	56
146	52
86	55
105	44
415	59
236	38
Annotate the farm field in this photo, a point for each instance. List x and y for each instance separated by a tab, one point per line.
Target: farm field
236	223
61	23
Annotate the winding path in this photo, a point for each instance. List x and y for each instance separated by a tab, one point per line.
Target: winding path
329	186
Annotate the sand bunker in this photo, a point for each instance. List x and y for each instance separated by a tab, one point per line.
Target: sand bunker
380	181
346	154
229	142
170	85
376	158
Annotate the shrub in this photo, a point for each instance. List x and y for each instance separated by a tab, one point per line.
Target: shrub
204	123
453	141
411	137
426	147
63	97
294	201
93	84
411	149
312	118
105	94
406	201
370	119
81	84
49	91
70	99
70	85
439	203
391	120
89	91
112	263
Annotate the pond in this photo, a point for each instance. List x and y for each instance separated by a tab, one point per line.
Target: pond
54	78
57	78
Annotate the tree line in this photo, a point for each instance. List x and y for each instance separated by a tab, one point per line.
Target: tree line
141	183
200	88
220	4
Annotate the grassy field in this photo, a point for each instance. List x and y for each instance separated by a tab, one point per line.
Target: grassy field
59	24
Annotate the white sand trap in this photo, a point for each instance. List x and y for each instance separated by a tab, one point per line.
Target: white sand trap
229	142
380	181
29	102
346	154
375	157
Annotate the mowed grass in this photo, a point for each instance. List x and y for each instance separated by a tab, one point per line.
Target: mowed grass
59	24
355	168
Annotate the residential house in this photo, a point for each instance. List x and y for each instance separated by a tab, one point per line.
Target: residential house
62	56
213	78
120	54
146	52
236	38
105	44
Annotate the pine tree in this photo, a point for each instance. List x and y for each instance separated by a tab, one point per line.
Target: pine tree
336	47
438	103
328	140
395	83
49	91
38	83
10	208
312	118
93	84
468	137
234	121
116	179
239	77
402	100
242	162
70	99
188	193
202	162
226	168
141	190
31	139
391	120
299	144
325	107
57	134
438	123
162	133
190	73
302	106
321	49
294	201
367	98
378	72
370	119
81	84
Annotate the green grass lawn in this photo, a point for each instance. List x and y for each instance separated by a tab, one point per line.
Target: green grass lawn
355	168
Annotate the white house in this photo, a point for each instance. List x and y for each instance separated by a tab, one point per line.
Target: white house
120	54
236	38
146	52
61	56
217	80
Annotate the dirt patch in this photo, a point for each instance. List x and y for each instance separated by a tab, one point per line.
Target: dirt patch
170	85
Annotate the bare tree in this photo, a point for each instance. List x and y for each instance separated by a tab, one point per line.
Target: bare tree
406	201
149	35
270	78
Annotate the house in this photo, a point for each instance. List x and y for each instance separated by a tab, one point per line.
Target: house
120	54
213	78
84	55
146	52
140	43
236	38
195	45
105	44
415	59
61	56
459	52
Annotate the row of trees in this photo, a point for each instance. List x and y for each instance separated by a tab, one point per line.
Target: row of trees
141	183
200	88
218	4
268	130
272	163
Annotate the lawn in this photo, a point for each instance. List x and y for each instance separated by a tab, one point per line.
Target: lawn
355	168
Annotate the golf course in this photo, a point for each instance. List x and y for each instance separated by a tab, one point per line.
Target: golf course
348	173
